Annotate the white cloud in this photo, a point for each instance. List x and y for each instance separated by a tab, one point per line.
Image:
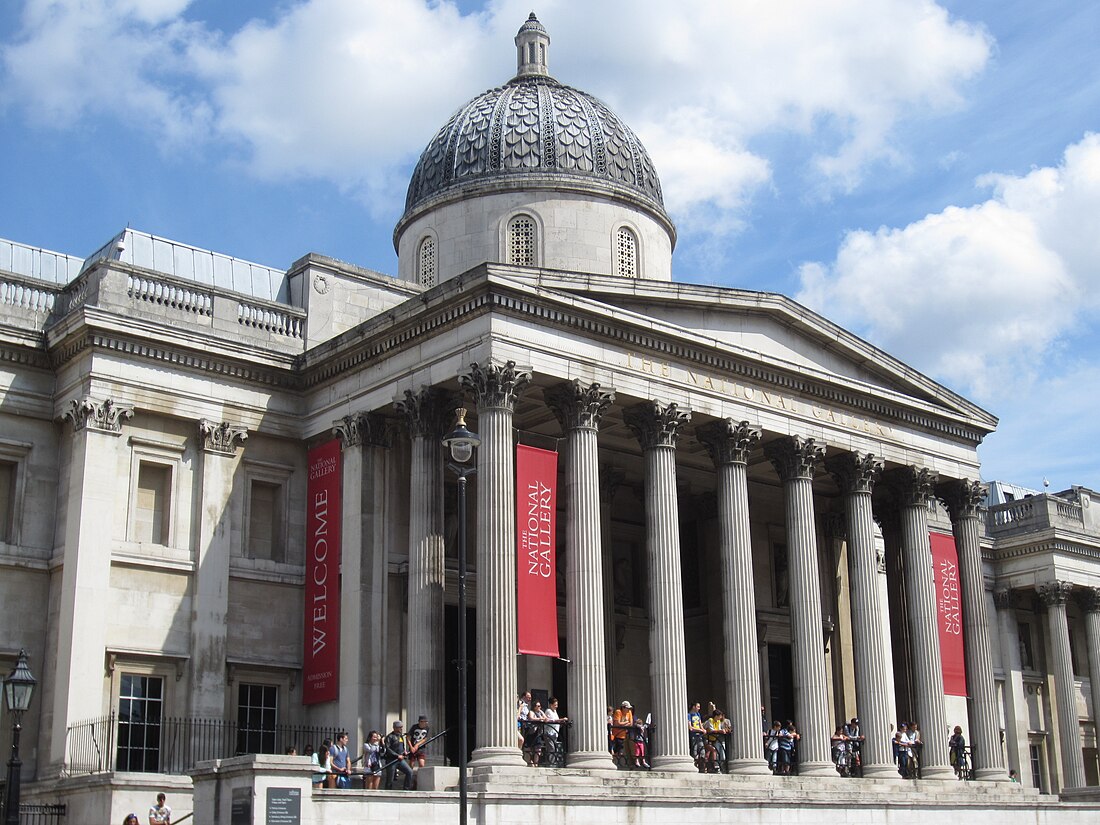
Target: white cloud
349	91
977	296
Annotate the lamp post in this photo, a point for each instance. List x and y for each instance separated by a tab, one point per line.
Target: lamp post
462	443
18	688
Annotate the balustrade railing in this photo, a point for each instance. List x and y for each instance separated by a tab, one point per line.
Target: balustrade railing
25	296
165	293
269	319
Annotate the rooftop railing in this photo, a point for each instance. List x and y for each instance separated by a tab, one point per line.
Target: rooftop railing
1034	513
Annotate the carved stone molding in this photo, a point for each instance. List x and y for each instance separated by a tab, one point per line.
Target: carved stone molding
105	416
1055	593
221	437
655	424
494	386
429	412
360	428
794	456
611	478
1003	599
578	407
1089	599
729	441
962	497
855	472
913	486
836	525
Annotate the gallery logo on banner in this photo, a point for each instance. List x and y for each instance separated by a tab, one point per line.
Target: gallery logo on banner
536	567
320	659
945	561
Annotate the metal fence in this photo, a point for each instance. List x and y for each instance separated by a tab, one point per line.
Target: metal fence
33	814
175	744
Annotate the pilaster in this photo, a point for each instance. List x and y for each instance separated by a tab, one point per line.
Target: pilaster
1089	600
1054	595
1015	700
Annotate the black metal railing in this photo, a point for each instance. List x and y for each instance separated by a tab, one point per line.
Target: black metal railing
175	744
34	814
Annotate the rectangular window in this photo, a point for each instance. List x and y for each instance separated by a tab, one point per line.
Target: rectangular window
1027	651
152	510
1036	754
265	521
140	710
7	500
257	718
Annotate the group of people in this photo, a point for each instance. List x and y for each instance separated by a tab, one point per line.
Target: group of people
398	752
781	745
159	814
539	730
628	736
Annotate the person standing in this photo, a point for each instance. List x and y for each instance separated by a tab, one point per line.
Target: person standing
418	739
338	760
160	814
372	761
397	754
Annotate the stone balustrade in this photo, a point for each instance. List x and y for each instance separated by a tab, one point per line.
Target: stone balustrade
1034	513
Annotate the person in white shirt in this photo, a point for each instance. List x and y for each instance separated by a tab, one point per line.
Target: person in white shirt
160	814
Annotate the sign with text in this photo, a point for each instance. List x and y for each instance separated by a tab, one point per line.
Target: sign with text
284	806
320	659
536	567
945	563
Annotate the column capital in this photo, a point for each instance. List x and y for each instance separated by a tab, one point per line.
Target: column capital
611	478
729	441
427	412
1055	592
962	497
794	457
221	437
855	472
105	416
361	428
495	386
1088	598
914	486
655	424
836	525
1002	598
578	407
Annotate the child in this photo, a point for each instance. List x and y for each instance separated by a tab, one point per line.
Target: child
639	735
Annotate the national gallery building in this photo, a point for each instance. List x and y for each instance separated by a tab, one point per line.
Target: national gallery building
228	524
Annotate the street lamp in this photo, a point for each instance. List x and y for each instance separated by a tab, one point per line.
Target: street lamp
462	443
18	688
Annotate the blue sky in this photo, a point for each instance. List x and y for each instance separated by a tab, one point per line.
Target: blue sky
926	174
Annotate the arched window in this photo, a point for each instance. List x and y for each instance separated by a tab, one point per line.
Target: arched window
425	265
521	240
626	253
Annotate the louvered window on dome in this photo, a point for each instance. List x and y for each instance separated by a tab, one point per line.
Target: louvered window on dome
626	253
426	263
521	241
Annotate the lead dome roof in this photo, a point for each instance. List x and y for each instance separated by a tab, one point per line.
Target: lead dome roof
534	131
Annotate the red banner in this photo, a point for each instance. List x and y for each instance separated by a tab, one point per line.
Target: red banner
320	660
536	567
945	563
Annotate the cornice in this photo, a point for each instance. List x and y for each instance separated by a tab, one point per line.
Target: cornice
1038	548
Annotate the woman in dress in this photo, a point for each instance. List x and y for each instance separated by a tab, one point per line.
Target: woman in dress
372	761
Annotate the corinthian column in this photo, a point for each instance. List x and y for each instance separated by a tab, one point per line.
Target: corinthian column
657	426
1016	713
494	390
426	414
1089	599
579	409
856	473
1054	595
963	499
729	443
795	459
914	488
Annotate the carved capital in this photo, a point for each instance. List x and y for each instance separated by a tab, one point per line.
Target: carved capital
1054	593
794	457
427	413
578	407
855	472
1089	599
363	428
1002	598
105	416
611	478
728	441
836	525
494	387
221	437
962	497
655	424
913	486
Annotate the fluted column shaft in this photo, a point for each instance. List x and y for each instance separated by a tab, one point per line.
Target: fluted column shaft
915	489
1054	595
1091	605
657	427
579	410
963	499
1016	713
856	474
495	390
795	459
730	443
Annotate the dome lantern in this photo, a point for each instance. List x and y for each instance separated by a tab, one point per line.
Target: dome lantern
532	49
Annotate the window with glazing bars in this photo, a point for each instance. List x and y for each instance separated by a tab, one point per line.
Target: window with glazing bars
140	710
257	718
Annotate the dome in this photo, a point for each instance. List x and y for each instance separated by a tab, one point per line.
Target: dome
535	132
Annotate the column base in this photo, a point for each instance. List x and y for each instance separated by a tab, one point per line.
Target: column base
677	763
492	757
991	775
886	771
590	760
938	772
816	769
748	767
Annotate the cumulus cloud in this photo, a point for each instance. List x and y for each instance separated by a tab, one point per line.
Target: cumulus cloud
978	296
349	92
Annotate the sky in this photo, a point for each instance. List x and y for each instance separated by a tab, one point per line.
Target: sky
925	174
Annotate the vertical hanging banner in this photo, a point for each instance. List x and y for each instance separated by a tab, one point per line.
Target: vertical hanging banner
945	563
320	659
536	567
